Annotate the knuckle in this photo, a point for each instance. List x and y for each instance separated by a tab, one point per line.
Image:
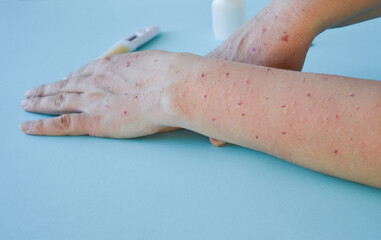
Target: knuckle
62	84
64	122
37	126
39	91
60	99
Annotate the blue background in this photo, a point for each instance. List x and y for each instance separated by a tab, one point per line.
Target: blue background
168	186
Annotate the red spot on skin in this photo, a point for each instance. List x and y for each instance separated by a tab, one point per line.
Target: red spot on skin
125	112
137	55
213	119
309	95
268	69
303	10
227	74
128	64
285	38
263	30
125	94
107	58
203	75
107	106
276	17
156	60
293	53
284	133
267	98
243	114
256	137
248	81
352	95
283	106
239	103
137	84
136	97
205	96
253	50
335	151
337	116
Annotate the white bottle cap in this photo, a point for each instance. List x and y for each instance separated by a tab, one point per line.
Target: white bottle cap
228	16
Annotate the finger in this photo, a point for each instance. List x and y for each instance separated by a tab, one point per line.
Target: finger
217	142
54	105
88	69
68	124
55	88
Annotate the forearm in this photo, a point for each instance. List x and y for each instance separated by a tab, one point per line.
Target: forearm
326	123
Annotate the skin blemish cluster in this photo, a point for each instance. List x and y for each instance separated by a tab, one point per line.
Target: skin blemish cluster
284	37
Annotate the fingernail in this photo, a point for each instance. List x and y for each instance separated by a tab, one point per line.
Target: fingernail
25	126
28	93
24	102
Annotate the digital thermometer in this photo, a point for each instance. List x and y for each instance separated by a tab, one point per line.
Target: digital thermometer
133	42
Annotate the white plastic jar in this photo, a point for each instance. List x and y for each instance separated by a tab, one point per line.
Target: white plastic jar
228	16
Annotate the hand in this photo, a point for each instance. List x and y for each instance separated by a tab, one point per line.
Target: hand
119	96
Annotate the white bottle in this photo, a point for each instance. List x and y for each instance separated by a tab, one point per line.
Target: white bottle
228	16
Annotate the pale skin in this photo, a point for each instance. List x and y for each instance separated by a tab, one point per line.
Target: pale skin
327	123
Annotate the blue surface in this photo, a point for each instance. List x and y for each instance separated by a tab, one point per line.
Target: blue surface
167	186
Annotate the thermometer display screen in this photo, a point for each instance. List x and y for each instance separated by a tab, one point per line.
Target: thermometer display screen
132	38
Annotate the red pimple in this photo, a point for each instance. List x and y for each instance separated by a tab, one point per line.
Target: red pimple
125	112
352	95
107	106
284	133
203	75
137	55
227	74
337	116
128	64
243	114
205	96
213	119
136	97
268	69
285	38
303	10
107	58
309	95
248	81
253	50
239	103
256	137
137	84
276	17
335	151
283	106
125	94
263	30
267	98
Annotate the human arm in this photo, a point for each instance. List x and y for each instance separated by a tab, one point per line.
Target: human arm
280	34
327	123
